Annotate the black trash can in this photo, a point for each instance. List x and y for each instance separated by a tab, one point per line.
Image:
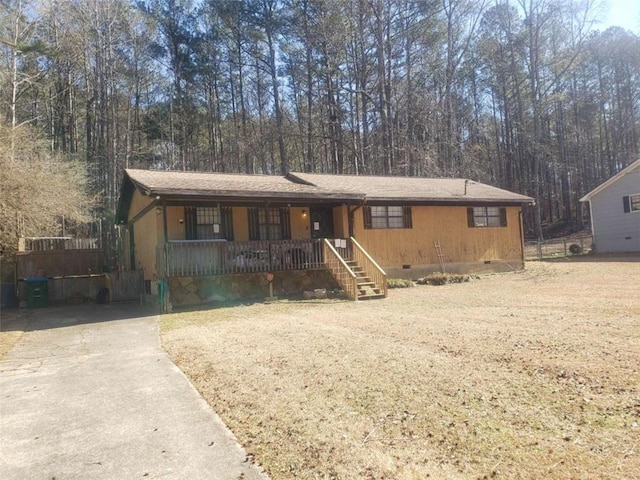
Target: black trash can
37	290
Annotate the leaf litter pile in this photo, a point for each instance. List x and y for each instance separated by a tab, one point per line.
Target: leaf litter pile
532	374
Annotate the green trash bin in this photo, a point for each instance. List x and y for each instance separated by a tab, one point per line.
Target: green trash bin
37	290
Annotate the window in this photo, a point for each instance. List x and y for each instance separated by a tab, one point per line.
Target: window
382	216
487	217
631	203
208	223
269	223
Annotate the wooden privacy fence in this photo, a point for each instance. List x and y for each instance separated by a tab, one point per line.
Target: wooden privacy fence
125	286
40	244
74	270
58	257
59	263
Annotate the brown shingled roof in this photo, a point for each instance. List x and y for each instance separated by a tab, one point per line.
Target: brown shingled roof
192	184
321	186
412	189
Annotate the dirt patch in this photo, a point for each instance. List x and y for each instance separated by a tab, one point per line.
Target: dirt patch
13	324
532	374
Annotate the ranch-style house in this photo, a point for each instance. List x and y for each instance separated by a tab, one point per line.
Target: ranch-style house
202	237
614	207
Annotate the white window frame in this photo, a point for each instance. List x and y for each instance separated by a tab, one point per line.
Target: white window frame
634	202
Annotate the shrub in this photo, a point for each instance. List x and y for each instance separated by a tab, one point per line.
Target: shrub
399	283
443	278
575	249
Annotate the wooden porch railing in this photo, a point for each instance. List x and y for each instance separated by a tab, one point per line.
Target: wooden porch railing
345	277
376	273
196	258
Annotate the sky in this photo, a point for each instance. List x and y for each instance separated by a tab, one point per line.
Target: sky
623	13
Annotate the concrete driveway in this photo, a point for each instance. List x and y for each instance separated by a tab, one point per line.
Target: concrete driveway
89	393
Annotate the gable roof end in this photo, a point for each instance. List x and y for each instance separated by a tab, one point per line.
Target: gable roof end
625	171
124	202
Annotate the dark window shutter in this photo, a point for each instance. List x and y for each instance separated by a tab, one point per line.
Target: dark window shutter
407	220
366	212
626	203
503	217
285	223
254	226
190	228
226	214
470	221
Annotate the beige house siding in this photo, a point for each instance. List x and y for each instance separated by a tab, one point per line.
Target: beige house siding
175	224
401	252
147	232
300	223
415	247
341	221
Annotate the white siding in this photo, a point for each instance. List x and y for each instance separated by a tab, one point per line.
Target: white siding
614	230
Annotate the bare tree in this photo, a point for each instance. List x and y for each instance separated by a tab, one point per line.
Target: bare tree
37	188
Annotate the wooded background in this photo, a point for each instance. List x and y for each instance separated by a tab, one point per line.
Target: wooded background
526	95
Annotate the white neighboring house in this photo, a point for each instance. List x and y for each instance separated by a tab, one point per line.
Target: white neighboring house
615	212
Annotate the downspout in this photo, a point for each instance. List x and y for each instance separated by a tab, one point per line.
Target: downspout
220	225
594	246
164	222
521	236
132	248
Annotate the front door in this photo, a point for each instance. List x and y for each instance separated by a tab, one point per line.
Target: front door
321	222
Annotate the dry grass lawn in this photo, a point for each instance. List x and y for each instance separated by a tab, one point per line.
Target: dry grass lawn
534	374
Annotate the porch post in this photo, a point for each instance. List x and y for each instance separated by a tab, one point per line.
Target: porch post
351	219
164	222
163	285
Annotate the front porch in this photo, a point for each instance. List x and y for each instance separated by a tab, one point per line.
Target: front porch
249	262
195	258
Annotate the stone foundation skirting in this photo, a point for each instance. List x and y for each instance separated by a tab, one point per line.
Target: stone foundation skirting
191	291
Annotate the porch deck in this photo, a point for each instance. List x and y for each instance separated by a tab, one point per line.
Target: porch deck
192	258
354	270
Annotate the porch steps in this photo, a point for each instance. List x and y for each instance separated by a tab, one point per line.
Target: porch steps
367	290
